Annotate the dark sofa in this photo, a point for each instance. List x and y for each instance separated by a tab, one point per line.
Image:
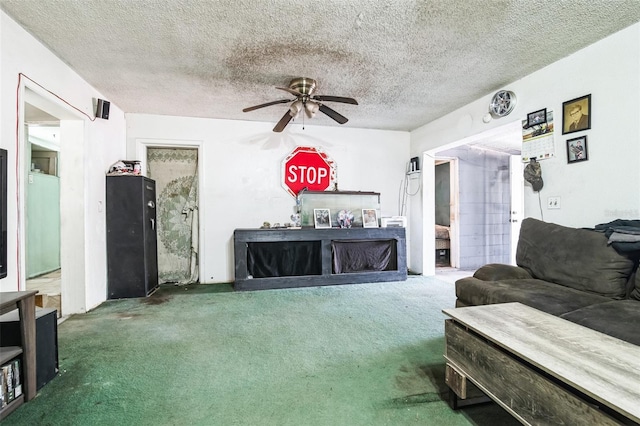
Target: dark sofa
571	273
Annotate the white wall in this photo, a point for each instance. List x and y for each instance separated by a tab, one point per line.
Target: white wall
592	192
241	165
85	157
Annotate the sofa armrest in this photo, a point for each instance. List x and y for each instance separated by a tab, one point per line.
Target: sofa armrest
499	271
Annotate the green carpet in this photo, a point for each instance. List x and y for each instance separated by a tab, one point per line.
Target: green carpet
367	354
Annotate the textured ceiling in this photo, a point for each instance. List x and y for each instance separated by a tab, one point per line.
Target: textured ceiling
406	62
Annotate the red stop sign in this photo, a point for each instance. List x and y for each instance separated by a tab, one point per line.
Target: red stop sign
307	167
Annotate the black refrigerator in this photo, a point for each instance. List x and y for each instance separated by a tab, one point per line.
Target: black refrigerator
132	255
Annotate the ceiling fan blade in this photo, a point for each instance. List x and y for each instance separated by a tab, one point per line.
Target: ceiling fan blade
292	91
336	99
286	118
333	114
281	101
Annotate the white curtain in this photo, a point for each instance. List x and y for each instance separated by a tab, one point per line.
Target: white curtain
176	174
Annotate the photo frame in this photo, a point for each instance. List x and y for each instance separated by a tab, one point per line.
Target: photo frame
537	117
369	218
577	150
322	218
576	114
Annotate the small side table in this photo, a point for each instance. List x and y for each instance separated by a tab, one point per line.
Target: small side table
25	302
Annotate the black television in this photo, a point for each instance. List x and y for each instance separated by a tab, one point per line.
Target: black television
3	213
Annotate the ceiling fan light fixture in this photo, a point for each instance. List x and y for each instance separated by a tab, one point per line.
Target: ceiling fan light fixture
310	108
295	108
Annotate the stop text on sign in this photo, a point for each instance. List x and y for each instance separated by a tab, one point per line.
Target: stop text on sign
307	168
306	174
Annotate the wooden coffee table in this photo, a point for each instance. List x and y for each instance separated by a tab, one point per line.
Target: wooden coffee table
540	368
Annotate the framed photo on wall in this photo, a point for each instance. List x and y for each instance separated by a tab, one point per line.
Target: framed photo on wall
369	218
577	150
576	114
537	117
322	218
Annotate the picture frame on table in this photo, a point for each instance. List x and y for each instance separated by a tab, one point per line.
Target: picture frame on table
576	114
537	117
322	218
369	218
577	150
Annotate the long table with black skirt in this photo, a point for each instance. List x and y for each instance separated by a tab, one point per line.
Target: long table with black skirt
282	258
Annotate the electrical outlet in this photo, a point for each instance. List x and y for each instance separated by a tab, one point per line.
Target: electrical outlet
553	202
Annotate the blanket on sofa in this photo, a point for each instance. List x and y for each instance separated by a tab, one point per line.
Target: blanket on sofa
623	235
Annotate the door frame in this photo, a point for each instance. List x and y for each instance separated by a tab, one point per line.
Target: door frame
429	159
516	211
142	146
454	210
73	280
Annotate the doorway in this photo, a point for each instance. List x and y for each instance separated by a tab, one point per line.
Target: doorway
175	172
42	212
485	202
445	206
41	108
175	166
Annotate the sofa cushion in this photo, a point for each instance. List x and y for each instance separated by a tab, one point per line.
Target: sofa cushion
576	258
617	318
542	295
499	271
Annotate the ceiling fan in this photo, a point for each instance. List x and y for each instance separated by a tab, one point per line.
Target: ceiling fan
303	89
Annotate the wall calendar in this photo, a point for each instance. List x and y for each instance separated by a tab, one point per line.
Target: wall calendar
537	139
